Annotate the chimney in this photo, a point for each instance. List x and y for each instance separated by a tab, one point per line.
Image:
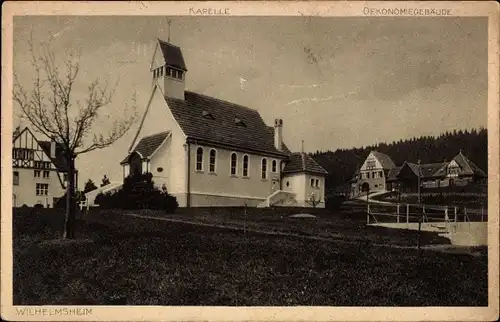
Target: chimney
278	134
17	131
53	148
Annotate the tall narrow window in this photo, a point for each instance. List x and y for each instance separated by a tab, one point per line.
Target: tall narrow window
46	174
274	166
312	182
199	159
234	163
264	169
36	173
213	158
15	178
245	165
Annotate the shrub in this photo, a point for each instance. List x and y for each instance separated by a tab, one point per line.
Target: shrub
60	202
38	206
138	192
333	202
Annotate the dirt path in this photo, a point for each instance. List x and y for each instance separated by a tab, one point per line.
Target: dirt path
442	248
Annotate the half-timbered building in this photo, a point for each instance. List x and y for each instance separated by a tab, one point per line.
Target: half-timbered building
379	174
38	170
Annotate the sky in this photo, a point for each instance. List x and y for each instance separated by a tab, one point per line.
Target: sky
337	82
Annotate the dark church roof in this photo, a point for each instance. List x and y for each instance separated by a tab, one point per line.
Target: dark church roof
302	162
214	121
172	55
148	145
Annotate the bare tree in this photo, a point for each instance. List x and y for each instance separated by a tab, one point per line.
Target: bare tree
313	200
53	111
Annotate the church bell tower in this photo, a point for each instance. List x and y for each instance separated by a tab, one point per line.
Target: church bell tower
169	69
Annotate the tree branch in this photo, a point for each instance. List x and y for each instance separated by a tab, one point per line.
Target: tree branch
48	107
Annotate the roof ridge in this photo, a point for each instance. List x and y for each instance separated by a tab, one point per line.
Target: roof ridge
465	160
21	132
221	100
162	132
167	43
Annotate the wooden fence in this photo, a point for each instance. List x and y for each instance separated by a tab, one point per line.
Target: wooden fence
412	213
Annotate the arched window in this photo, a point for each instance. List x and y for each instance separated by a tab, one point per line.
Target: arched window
264	168
274	166
199	159
245	165
213	158
234	163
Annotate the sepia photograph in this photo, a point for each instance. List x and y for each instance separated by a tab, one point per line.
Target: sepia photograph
210	159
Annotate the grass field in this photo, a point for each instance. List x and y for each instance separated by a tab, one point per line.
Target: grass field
124	260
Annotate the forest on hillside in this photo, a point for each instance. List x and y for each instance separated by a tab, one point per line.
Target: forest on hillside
341	164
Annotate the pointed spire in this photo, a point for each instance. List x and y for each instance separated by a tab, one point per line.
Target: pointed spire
302	147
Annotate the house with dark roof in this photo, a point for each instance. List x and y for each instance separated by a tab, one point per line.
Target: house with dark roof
209	152
39	170
379	173
373	173
460	171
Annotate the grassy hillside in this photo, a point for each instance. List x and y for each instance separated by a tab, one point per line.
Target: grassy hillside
125	260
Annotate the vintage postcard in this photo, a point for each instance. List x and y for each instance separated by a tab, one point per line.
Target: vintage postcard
256	161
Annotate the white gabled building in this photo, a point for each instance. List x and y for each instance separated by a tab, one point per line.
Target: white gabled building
209	152
39	170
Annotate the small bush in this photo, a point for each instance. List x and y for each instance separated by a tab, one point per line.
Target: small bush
333	202
38	206
138	192
60	202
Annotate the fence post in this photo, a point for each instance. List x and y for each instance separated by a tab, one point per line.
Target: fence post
418	238
245	219
407	213
368	215
455	213
482	212
446	214
397	207
465	214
